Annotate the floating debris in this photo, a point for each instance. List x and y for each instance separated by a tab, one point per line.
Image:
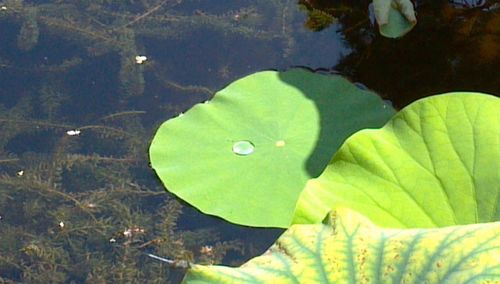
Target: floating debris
139	59
74	132
280	143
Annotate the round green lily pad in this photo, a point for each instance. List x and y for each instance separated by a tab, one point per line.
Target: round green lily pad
246	155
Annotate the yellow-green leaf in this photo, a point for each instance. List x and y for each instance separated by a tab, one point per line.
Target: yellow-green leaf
434	164
351	249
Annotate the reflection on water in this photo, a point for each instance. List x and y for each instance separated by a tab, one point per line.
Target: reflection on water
77	113
449	50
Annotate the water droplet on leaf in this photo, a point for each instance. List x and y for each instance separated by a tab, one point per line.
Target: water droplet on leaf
243	148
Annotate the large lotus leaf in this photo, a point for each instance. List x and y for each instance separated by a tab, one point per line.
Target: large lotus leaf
395	18
436	163
351	249
246	155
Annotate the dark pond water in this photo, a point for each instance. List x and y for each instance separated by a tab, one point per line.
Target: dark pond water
85	207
